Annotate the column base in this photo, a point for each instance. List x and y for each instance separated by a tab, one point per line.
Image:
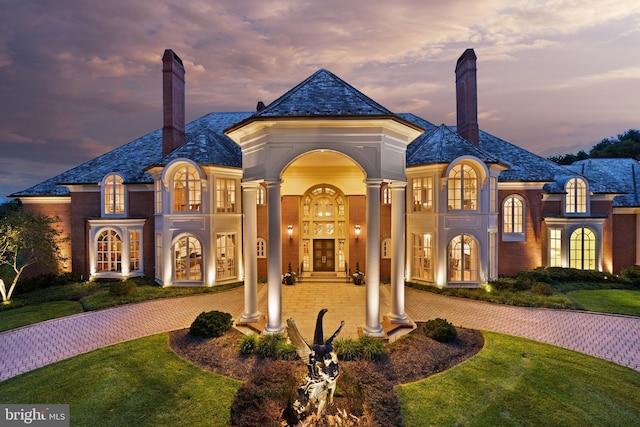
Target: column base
249	318
273	330
400	319
377	332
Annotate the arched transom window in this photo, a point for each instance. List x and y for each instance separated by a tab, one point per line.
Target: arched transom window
187	258
582	249
576	198
463	259
109	253
113	194
462	188
187	193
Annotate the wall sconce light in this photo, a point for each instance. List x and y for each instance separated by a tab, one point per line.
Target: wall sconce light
357	231
290	231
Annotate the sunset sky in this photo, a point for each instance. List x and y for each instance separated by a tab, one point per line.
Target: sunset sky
80	77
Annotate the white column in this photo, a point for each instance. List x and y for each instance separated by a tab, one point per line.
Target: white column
274	266
372	326
397	314
250	243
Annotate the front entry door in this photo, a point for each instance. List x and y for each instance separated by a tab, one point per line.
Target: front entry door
324	255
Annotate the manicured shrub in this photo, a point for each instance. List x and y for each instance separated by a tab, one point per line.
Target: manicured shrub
28	284
275	346
122	288
541	288
364	348
504	284
440	330
248	343
211	324
632	274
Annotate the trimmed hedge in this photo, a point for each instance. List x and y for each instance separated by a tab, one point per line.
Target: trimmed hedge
440	330
211	324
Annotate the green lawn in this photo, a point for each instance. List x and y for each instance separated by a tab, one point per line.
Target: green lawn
619	301
515	382
512	381
137	383
30	314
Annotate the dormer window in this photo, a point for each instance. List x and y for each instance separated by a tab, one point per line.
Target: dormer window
187	193
576	198
113	195
463	188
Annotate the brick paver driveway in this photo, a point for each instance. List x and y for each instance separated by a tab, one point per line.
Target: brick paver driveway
615	338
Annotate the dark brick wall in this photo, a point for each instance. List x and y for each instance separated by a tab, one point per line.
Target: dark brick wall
141	204
291	247
357	247
624	234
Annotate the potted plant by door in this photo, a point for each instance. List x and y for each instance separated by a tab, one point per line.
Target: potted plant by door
358	277
290	277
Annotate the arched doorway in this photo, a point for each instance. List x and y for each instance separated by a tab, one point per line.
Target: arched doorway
324	221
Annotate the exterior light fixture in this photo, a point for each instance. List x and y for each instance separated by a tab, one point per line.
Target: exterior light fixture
357	231
290	231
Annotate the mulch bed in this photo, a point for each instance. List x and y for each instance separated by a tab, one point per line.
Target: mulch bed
411	358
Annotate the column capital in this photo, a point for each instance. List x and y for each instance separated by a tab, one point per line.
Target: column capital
397	184
250	184
373	182
274	183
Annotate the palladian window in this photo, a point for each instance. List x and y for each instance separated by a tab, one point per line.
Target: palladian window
462	188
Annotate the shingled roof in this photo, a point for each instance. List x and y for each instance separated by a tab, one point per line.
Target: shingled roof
442	145
205	144
616	175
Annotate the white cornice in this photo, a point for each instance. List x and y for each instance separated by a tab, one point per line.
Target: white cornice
45	200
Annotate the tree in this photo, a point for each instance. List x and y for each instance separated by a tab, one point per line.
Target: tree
625	145
26	238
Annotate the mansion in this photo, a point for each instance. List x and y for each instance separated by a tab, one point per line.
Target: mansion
324	180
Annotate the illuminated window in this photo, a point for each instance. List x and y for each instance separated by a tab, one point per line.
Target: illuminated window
555	247
109	253
113	195
261	196
513	217
463	259
262	248
134	251
225	195
422	262
386	195
187	258
422	194
158	193
462	188
582	249
576	198
187	193
225	256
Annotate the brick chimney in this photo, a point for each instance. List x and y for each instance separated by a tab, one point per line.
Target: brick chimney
173	102
467	97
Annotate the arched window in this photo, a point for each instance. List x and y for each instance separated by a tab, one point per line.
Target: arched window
582	249
576	198
513	218
462	188
187	193
109	253
113	194
187	258
463	259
